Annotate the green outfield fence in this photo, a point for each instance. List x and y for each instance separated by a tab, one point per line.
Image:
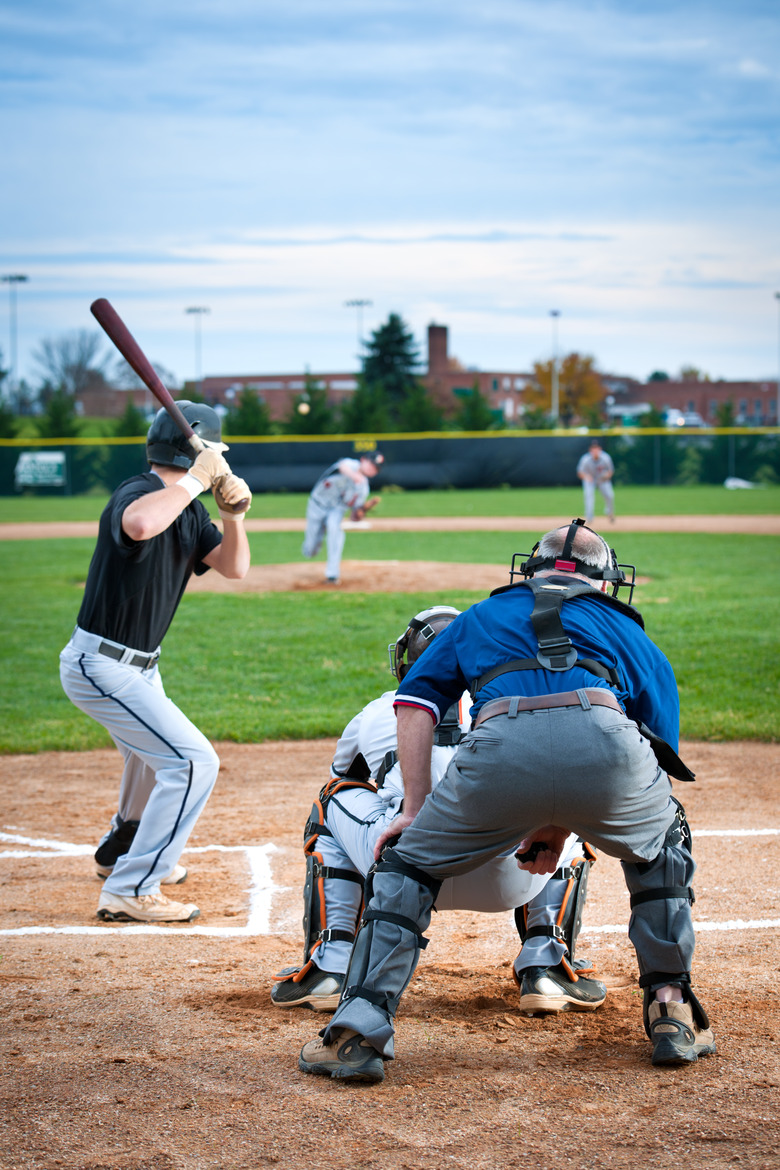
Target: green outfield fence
434	460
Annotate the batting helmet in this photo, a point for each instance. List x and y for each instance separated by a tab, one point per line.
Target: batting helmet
166	445
419	634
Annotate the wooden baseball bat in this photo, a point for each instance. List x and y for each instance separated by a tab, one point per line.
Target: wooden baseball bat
109	320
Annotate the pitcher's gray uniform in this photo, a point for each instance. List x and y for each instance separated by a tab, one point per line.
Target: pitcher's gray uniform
344	486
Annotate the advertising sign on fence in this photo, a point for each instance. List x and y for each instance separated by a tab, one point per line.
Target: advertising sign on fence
41	469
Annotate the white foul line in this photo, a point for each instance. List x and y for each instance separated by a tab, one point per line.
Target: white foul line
262	890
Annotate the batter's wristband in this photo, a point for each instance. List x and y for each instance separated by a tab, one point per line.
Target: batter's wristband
231	515
191	484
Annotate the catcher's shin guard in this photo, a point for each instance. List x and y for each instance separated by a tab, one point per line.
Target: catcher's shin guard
568	921
660	927
397	915
315	902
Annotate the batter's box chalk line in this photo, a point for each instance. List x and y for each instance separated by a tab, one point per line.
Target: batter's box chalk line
261	890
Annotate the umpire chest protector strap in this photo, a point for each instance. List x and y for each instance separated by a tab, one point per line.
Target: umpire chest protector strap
556	651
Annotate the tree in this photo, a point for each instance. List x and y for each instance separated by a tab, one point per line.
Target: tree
132	422
310	412
367	411
126	459
475	413
59	418
658	376
389	375
419	412
250	417
72	362
9	424
693	374
579	387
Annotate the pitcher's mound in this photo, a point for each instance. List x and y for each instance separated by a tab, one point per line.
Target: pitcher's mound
359	577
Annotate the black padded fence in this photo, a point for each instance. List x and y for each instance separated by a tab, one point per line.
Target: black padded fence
516	459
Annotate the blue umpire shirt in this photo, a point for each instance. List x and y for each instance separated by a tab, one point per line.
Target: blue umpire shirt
499	629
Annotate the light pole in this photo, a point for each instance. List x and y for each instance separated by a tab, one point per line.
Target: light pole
197	311
12	279
554	408
777	408
360	305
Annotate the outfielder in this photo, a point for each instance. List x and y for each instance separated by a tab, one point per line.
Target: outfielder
596	469
344	486
364	795
570	699
154	533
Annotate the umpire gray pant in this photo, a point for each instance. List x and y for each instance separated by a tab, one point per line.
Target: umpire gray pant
586	770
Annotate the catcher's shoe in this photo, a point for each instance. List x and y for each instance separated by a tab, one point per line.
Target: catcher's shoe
348	1058
144	908
676	1037
177	875
316	989
549	989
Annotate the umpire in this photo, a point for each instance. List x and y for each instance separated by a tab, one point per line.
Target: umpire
575	726
153	534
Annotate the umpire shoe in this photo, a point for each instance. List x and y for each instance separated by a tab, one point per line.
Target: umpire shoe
317	989
144	908
549	989
177	875
350	1057
676	1037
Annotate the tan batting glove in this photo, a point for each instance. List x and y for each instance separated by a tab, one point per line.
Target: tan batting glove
233	497
207	468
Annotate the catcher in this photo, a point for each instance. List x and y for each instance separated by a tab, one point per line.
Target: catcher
342	487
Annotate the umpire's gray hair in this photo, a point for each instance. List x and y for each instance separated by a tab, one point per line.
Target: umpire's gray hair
588	546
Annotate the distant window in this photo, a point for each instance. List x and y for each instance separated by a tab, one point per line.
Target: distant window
691	407
495	383
520	383
713	408
506	383
757	407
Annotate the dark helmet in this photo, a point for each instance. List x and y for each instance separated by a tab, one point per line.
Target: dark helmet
166	445
419	634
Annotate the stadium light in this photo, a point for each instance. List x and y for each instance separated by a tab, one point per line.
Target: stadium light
12	280
554	407
359	305
197	311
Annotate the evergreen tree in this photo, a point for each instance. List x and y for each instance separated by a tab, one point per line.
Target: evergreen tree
367	412
475	413
250	417
419	412
9	424
389	377
59	419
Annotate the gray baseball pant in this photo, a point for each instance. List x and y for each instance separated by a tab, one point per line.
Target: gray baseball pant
587	770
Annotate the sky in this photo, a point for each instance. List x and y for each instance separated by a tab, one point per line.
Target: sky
474	165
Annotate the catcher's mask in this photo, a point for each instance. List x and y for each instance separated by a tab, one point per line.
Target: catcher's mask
166	445
566	562
419	634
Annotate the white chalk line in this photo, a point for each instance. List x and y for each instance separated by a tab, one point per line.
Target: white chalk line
262	889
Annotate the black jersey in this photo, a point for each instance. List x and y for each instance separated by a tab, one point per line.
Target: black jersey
134	587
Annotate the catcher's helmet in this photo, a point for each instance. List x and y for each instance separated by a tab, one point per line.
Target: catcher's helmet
419	634
166	445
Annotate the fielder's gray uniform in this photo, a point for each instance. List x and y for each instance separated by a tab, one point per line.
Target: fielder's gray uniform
357	817
600	470
333	493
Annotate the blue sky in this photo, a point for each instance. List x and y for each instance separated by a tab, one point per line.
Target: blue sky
472	165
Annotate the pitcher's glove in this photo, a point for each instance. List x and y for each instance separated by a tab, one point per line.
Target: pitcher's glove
359	513
232	496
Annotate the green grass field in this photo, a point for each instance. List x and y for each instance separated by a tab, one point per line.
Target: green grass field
700	499
253	667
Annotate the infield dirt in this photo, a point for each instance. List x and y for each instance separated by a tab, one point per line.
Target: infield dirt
127	1050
